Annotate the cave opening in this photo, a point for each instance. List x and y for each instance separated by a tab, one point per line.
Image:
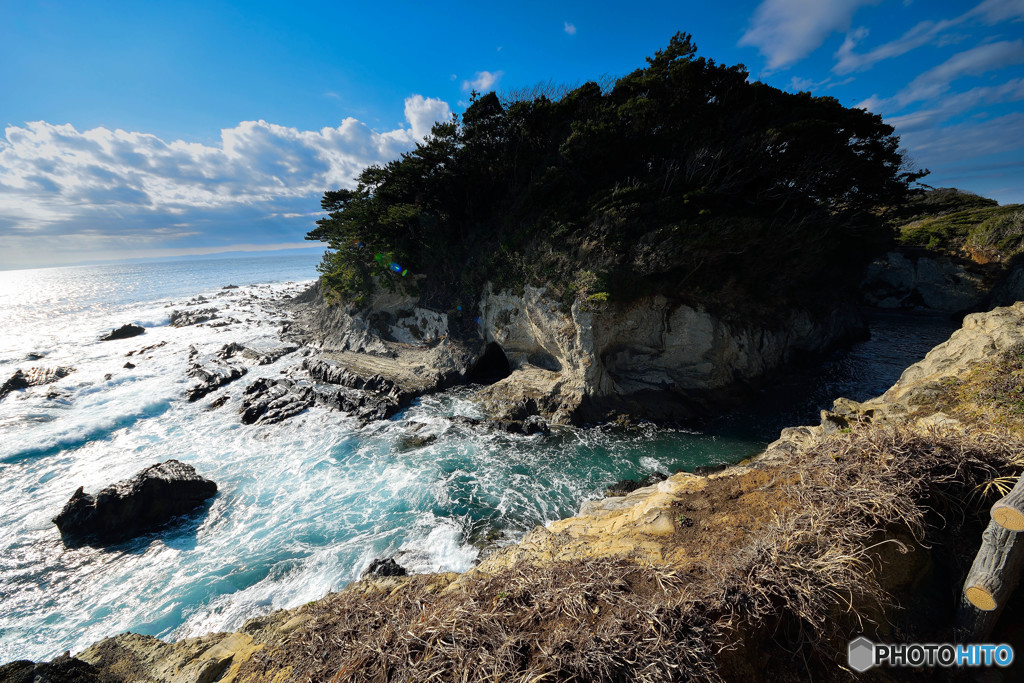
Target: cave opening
491	367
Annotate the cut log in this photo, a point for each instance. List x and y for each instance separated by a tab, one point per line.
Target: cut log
1009	511
992	579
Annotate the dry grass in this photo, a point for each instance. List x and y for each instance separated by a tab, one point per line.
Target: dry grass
791	594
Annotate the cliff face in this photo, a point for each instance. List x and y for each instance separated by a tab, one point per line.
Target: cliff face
650	358
923	279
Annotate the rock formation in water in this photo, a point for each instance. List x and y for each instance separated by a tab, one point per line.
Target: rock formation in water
134	506
123	332
211	371
33	377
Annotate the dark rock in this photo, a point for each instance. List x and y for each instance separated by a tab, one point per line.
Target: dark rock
144	349
186	318
230	287
124	332
212	371
365	405
652	479
16	382
33	378
268	401
218	402
35	356
133	506
261	351
129	366
415	438
107	377
230	350
63	669
535	424
465	421
705	470
369	398
386	567
624	486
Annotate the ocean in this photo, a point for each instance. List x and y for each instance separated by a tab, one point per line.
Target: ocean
303	506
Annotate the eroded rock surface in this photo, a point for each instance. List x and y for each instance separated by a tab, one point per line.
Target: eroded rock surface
133	506
33	377
271	400
192	317
211	372
651	358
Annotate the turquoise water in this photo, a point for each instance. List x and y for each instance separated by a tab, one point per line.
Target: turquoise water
303	506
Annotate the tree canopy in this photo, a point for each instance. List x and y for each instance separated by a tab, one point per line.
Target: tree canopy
683	178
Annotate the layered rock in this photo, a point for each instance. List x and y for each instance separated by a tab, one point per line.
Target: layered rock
652	357
134	506
703	528
269	401
33	377
211	372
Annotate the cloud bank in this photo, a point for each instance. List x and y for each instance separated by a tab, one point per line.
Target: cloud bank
786	31
62	189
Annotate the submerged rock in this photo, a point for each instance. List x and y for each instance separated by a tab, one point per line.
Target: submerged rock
534	424
123	332
268	401
384	567
133	506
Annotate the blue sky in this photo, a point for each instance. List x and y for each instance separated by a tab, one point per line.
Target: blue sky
158	129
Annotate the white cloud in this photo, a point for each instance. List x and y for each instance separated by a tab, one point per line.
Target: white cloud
423	112
56	180
989	12
570	28
994	11
483	81
921	34
874	104
951	105
786	31
949	145
936	81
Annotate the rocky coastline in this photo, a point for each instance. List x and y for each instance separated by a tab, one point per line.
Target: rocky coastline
540	363
694	531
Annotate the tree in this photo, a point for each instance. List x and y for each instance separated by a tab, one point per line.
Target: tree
684	178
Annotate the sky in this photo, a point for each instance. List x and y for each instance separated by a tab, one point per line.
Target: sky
163	129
